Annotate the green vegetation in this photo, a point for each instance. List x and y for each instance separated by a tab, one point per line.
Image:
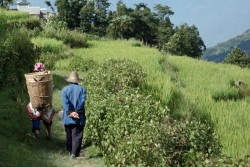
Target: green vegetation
15	15
152	27
144	108
237	57
185	41
203	83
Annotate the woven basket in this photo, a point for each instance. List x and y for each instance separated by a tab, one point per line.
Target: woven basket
38	76
40	88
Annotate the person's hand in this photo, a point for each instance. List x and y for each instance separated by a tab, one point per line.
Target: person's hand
74	115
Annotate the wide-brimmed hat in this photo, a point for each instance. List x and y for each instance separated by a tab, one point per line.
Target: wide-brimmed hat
74	78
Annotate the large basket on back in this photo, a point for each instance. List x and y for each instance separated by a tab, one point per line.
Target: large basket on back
40	88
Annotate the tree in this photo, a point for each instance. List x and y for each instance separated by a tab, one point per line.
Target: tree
185	41
165	27
120	27
145	24
87	17
163	12
121	8
94	17
69	11
237	57
6	3
100	19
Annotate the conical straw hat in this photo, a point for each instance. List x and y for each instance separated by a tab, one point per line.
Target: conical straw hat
74	78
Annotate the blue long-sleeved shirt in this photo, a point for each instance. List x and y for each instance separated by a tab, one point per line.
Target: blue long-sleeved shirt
73	99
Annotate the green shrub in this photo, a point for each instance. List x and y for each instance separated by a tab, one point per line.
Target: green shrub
16	15
16	58
3	24
71	38
115	75
54	23
50	50
129	126
49	45
3	29
82	64
49	32
136	43
117	116
30	23
237	57
141	148
180	138
153	144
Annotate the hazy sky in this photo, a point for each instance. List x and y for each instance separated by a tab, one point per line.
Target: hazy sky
216	20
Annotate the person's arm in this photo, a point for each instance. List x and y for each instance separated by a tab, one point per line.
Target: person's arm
65	102
82	100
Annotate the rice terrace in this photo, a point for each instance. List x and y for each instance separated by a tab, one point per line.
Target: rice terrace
149	102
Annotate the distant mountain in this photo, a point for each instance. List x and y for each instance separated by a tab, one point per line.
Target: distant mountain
220	51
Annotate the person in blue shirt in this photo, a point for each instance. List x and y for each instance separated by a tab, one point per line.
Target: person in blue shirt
73	118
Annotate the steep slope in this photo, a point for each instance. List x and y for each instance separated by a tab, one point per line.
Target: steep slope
220	51
207	85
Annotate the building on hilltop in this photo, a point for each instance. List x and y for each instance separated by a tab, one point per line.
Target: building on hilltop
41	13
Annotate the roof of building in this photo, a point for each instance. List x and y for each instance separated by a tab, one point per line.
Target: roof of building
30	9
23	2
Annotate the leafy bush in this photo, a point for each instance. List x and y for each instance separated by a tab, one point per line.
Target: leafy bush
30	23
15	15
49	45
3	24
71	38
132	128
137	44
174	143
49	50
114	116
78	63
55	24
16	58
116	75
49	32
237	57
182	138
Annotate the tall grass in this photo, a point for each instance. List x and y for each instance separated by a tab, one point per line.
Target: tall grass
49	45
15	15
148	58
206	80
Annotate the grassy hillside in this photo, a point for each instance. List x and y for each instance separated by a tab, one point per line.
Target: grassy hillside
17	141
184	84
148	57
220	51
200	84
208	86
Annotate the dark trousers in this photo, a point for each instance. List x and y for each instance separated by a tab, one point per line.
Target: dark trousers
74	135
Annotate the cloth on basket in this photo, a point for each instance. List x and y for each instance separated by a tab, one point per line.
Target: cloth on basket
46	113
39	67
33	112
